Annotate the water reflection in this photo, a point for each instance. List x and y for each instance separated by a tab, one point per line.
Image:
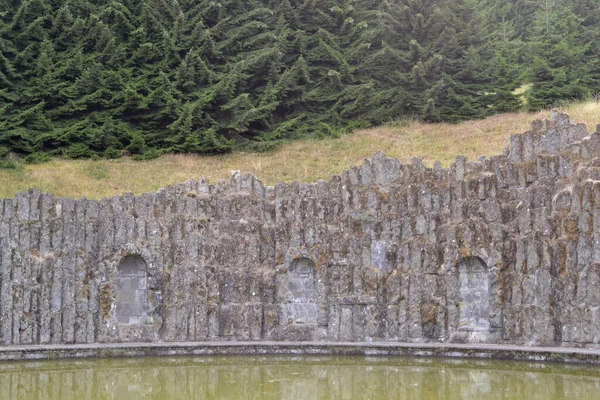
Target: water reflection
296	378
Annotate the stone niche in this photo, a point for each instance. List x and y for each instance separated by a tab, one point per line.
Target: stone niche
300	305
131	296
474	297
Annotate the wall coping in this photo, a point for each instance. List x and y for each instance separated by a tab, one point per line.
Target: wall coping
590	356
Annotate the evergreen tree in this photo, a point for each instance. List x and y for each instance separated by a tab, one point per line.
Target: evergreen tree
85	78
560	56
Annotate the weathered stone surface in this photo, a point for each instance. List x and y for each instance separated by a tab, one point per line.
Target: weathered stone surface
502	250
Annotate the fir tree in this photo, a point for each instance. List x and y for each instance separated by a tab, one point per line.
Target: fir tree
102	78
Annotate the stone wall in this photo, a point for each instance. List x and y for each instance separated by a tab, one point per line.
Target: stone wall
503	250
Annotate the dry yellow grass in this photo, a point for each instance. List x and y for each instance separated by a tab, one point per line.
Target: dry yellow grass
306	160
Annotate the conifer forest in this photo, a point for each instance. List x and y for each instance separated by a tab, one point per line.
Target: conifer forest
105	78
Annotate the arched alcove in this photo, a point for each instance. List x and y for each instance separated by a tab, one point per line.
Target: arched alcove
302	307
131	298
473	278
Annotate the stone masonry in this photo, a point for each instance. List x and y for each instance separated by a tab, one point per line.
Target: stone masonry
504	250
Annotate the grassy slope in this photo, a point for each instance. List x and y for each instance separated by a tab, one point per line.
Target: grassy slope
306	160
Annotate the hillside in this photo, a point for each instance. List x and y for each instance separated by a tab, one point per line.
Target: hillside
303	160
99	78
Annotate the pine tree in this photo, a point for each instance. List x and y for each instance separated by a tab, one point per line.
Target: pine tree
559	56
84	78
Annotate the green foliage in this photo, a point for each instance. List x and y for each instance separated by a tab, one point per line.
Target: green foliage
137	144
149	154
86	78
37	158
78	150
560	56
11	165
111	152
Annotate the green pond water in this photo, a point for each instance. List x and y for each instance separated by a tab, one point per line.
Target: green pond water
296	378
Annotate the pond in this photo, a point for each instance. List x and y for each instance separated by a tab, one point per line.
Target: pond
296	378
